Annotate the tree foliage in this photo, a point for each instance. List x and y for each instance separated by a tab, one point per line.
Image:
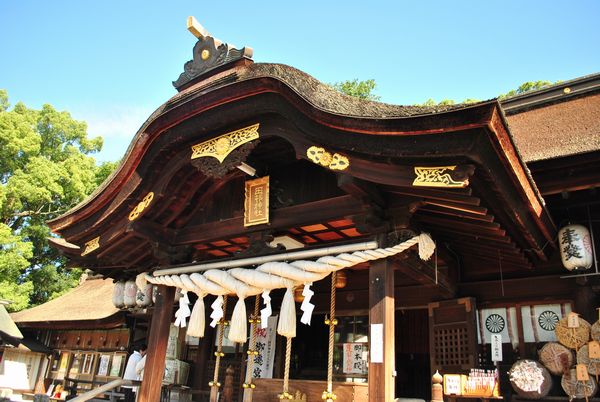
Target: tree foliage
359	89
526	87
46	168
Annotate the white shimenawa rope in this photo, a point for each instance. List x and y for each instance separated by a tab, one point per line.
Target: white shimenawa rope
246	282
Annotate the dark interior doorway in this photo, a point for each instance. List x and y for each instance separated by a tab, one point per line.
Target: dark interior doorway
413	379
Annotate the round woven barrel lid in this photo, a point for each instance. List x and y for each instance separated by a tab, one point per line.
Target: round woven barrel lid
595	332
557	358
573	338
578	389
583	357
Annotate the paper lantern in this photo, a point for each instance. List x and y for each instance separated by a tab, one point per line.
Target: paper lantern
130	293
144	298
575	247
118	293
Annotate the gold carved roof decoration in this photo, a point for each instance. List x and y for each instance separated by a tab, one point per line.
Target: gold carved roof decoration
223	145
438	176
324	158
141	206
91	245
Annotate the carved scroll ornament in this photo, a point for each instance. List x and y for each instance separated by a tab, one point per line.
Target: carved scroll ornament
438	176
91	246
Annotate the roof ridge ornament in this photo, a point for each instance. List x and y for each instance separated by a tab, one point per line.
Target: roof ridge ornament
209	53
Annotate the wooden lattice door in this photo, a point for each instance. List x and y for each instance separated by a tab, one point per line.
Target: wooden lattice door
452	336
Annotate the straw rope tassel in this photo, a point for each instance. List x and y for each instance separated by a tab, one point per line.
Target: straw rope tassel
252	352
286	373
215	384
328	394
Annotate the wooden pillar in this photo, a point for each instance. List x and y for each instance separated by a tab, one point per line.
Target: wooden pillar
381	322
157	345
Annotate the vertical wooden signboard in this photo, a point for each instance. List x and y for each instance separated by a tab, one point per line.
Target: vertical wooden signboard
256	204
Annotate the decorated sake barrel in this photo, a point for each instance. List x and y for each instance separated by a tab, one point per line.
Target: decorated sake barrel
118	294
573	338
143	297
530	379
595	331
583	357
130	293
578	389
557	358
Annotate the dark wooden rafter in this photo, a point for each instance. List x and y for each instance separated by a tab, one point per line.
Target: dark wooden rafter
456	196
582	171
437	209
462	225
424	273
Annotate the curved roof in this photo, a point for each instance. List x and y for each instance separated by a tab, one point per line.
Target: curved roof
384	142
321	97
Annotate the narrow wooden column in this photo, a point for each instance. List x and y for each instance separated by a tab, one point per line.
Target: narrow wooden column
381	313
154	369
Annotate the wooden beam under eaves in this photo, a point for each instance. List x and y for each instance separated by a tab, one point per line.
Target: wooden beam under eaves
282	218
424	272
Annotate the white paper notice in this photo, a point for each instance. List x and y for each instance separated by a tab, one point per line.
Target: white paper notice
496	347
376	343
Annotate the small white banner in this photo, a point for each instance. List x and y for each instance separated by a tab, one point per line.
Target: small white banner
376	343
265	345
355	361
496	347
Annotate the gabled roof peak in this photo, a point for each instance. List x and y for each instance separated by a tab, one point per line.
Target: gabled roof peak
209	54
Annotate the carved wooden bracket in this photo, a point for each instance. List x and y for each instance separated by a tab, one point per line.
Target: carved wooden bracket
214	169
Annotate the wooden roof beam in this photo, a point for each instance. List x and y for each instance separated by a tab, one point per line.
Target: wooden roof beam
282	218
457	196
424	272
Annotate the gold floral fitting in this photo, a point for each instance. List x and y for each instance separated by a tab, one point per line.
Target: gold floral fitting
326	159
141	206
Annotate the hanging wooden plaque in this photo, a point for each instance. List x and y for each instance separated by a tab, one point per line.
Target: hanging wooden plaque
582	373
256	204
594	349
573	320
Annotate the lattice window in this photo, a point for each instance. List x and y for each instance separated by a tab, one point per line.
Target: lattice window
452	335
451	346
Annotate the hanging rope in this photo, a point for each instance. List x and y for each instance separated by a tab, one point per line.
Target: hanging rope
246	282
252	352
219	353
328	394
286	373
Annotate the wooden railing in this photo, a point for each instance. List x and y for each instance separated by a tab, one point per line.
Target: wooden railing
104	389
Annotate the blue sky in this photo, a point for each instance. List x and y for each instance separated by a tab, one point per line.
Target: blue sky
111	63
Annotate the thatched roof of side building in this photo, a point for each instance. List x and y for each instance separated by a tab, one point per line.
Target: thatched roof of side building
89	304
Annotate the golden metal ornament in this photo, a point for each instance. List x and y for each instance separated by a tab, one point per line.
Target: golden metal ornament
324	158
438	176
141	206
299	397
222	145
91	246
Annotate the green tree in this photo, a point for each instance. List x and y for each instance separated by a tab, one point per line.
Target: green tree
359	89
526	87
45	169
